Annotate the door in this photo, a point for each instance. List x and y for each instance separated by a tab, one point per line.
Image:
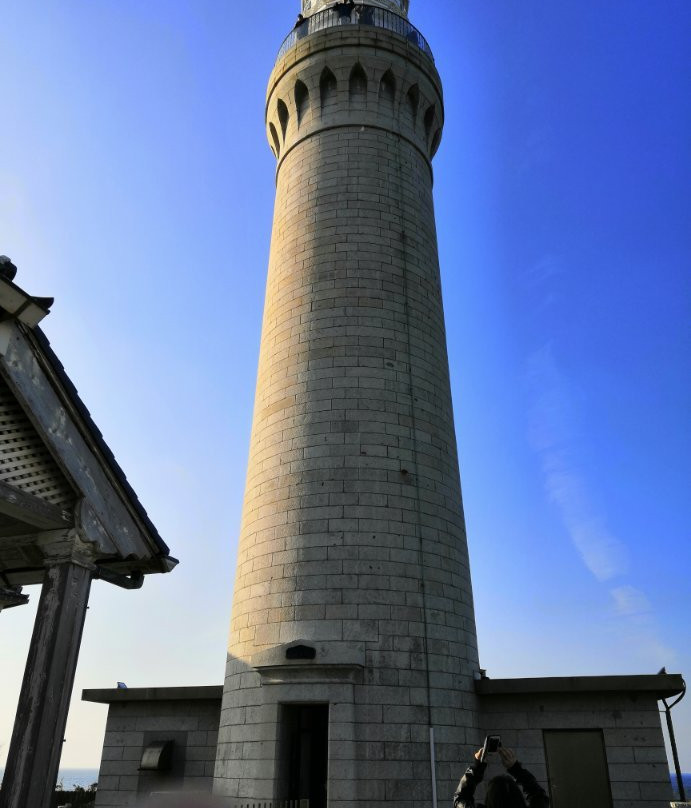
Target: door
577	769
305	745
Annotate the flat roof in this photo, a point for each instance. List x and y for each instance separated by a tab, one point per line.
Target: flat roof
662	685
122	694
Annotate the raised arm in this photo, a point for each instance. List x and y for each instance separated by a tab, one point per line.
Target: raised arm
535	795
465	793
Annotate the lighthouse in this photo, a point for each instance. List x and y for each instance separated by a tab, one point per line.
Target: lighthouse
352	652
352	677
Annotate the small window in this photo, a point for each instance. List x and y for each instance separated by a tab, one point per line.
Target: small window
301	652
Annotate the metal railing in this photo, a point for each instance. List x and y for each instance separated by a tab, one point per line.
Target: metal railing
275	804
346	15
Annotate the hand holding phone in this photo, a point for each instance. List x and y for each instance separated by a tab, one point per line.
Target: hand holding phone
492	743
508	757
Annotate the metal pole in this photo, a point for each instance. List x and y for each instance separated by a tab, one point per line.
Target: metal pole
673	744
433	766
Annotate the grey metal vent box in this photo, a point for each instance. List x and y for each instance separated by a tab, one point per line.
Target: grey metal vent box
157	757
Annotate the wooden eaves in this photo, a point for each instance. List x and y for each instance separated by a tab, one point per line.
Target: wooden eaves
56	470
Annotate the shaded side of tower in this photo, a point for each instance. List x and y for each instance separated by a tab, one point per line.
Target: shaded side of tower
352	648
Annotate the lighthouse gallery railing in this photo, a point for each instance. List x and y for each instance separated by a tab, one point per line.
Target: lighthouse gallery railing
357	15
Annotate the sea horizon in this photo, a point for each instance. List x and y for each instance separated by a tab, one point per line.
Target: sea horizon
73	777
686	778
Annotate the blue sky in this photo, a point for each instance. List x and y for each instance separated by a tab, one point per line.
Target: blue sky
137	188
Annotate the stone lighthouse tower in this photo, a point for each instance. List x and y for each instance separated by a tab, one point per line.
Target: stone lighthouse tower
352	649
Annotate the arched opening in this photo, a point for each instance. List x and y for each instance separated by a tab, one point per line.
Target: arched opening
283	116
412	104
357	86
436	140
387	91
302	99
429	120
327	87
276	142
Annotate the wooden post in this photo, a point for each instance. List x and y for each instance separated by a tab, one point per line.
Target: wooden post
36	745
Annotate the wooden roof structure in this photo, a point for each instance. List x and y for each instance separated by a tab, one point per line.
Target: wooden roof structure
67	516
56	472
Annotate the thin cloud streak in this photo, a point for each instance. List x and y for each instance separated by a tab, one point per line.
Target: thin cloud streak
554	434
638	629
630	601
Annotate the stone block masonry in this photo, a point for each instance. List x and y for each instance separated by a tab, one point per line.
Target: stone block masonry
353	538
188	716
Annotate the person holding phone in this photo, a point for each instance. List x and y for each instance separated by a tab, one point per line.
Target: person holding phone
503	790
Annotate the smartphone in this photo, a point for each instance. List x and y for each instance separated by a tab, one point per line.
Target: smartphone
492	743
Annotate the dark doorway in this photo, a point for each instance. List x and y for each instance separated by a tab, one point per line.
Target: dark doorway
304	753
577	769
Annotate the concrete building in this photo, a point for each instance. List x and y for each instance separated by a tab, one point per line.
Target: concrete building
352	673
592	741
157	739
